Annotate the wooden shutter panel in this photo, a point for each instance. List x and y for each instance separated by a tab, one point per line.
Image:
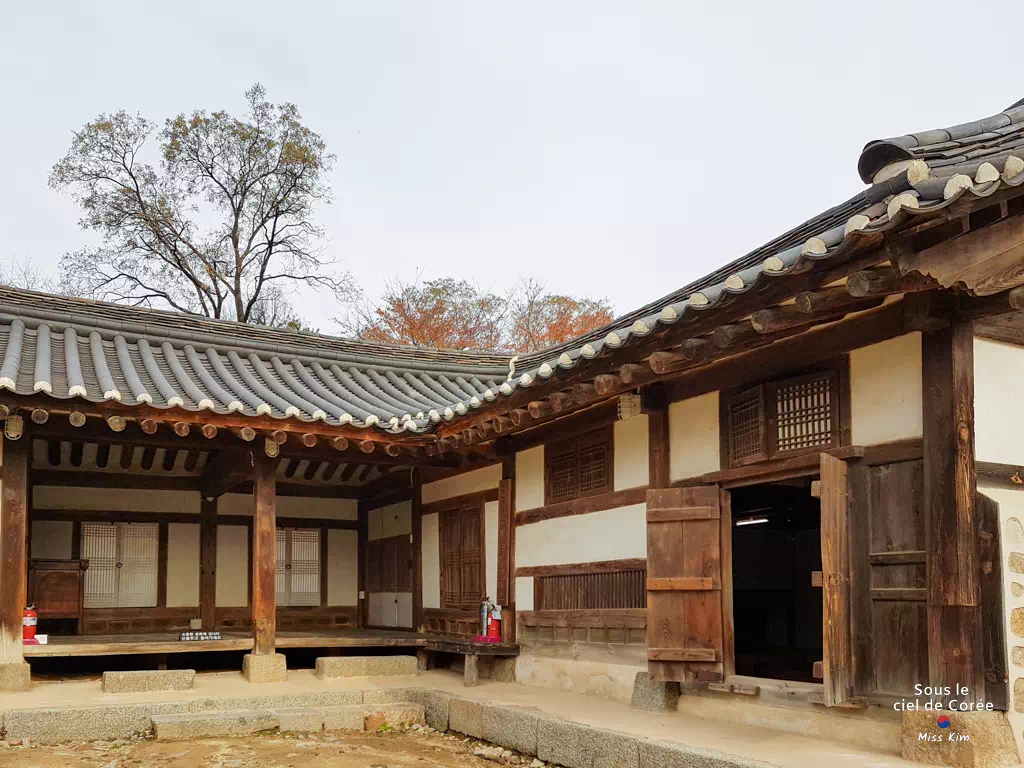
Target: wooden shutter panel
685	637
472	558
835	567
990	562
451	562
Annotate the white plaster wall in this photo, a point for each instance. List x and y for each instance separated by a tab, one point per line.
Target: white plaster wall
482	479
998	417
491	549
611	534
114	499
51	540
182	564
232	566
524	592
342	567
291	506
397	519
631	453
885	391
694	446
430	560
530	478
1011	534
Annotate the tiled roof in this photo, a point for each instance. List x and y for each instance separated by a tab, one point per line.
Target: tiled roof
66	347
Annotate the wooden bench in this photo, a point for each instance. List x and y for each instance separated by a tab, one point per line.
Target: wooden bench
466	647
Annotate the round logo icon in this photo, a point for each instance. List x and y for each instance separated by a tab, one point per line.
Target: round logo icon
943	721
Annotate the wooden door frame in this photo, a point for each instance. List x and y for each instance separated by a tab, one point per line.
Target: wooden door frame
734	682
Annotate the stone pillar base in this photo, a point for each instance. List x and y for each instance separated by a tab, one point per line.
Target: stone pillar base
972	740
265	668
15	677
652	696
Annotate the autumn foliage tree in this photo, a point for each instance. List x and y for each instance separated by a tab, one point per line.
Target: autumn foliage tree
456	314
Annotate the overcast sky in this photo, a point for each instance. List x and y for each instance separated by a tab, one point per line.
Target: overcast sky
610	149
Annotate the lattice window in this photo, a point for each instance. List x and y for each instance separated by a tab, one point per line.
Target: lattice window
584	591
579	467
462	561
122	569
784	418
298	566
746	427
805	414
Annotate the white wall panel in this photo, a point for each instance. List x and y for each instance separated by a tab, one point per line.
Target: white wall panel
232	566
998	417
481	479
430	558
530	478
342	567
694	446
631	453
612	534
885	391
182	565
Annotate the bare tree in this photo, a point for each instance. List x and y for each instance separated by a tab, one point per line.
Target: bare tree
538	320
226	215
25	273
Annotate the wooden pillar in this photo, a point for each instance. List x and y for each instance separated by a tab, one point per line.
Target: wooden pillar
208	563
507	564
657	430
14	552
361	547
264	558
417	552
955	654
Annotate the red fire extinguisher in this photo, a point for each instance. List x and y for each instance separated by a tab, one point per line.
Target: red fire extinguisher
28	623
494	623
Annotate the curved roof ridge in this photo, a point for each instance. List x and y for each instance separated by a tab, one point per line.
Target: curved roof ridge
956	143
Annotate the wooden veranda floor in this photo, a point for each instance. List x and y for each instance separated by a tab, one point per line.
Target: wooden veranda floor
167	642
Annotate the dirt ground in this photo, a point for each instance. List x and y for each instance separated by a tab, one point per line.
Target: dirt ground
273	750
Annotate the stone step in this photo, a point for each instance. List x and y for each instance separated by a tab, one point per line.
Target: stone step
240	722
199	725
328	667
141	681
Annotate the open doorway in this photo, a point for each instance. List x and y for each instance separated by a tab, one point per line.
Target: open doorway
777	603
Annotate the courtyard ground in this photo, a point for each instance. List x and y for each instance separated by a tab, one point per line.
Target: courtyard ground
273	750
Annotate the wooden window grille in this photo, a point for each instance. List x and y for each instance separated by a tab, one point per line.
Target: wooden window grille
580	467
123	564
588	591
784	418
298	566
462	564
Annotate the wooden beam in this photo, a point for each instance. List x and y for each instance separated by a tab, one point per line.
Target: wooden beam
658	449
812	306
954	617
574	569
227	470
86	479
208	563
885	281
986	260
264	558
17	457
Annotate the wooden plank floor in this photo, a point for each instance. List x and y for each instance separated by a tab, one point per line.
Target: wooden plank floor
167	642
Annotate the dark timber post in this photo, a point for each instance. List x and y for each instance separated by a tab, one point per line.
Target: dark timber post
954	613
208	563
264	559
417	552
14	672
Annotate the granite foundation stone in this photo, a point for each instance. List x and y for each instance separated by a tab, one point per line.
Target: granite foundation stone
350	717
328	667
510	727
141	681
399	715
465	716
299	719
265	668
989	742
654	696
56	725
435	707
199	725
15	677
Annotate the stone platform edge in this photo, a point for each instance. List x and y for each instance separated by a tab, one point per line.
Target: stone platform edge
523	729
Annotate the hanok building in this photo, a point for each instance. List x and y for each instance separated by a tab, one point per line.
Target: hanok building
792	483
